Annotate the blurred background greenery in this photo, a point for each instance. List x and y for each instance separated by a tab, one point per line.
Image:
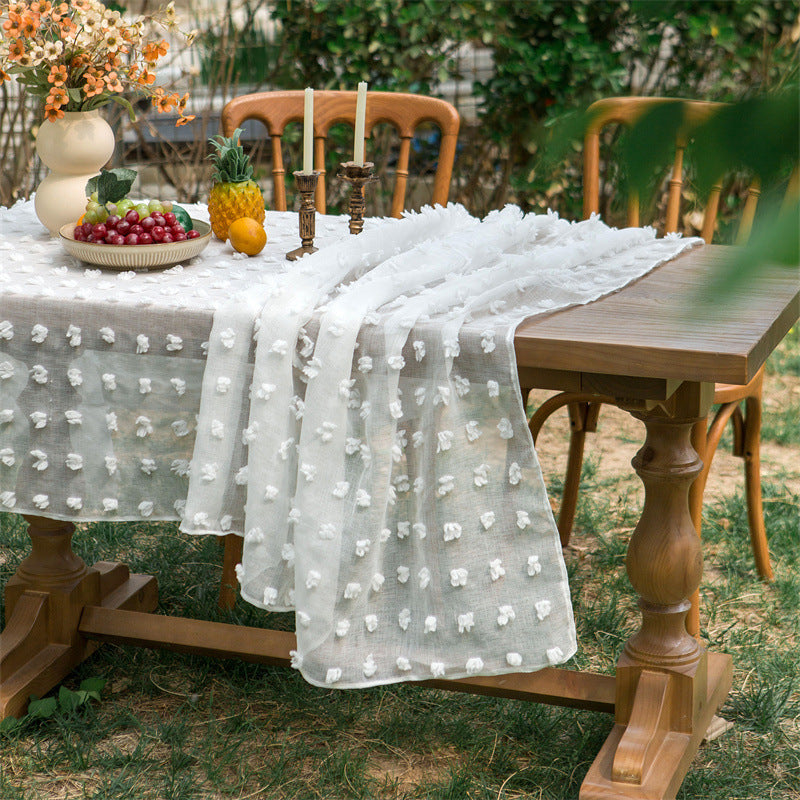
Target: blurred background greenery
510	69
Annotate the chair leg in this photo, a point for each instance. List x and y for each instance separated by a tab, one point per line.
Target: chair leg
752	485
228	583
582	419
572	481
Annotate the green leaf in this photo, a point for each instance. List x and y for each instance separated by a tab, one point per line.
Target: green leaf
92	685
651	140
121	101
68	700
42	708
9	724
111	185
776	241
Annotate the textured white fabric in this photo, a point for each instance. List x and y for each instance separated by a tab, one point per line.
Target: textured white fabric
100	372
374	449
359	421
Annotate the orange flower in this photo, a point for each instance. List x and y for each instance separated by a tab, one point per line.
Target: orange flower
16	50
93	86
67	27
113	83
164	102
4	76
58	75
183	120
12	25
146	78
57	97
152	51
52	113
29	26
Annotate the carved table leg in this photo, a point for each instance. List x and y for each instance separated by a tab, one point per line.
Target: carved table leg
668	687
41	643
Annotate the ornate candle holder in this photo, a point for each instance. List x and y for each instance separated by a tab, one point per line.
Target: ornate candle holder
306	183
357	176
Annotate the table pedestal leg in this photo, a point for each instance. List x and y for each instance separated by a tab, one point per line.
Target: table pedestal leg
668	687
41	643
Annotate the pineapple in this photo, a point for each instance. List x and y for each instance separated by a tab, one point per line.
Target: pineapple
234	195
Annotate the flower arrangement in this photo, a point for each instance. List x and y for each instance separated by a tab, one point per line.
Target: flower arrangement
80	55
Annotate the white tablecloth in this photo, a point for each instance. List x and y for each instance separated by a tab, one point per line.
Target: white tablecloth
355	415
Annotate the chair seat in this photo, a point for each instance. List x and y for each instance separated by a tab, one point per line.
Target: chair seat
733	392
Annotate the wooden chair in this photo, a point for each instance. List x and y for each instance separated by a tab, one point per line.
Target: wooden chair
584	409
275	109
404	111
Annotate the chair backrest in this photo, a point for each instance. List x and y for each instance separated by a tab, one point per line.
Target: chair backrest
625	111
404	111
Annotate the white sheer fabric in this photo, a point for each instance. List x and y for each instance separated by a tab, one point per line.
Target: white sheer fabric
374	450
100	372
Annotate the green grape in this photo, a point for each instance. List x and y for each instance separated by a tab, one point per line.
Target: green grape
94	197
102	214
111	208
124	206
156	207
91	216
167	204
93	205
143	210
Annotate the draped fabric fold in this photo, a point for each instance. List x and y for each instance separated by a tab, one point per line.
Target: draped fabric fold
361	425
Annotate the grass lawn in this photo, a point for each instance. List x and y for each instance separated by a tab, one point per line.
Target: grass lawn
174	727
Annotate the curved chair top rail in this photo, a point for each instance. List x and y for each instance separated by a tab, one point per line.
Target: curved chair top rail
626	111
404	111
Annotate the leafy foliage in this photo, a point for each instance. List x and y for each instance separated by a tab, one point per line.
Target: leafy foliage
111	185
548	57
67	703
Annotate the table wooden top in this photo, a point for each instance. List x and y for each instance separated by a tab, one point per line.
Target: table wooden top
656	328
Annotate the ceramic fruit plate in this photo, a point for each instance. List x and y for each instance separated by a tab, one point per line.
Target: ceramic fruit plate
141	257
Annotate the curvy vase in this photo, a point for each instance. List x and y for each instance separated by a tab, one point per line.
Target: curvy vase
74	148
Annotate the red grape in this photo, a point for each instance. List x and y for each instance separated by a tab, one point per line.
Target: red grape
99	231
145	238
158	219
169	219
123	227
116	238
78	234
167	238
131	238
148	223
137	229
158	233
177	228
87	228
132	216
180	236
111	221
192	234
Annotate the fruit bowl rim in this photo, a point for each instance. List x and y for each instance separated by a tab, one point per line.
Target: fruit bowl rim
152	256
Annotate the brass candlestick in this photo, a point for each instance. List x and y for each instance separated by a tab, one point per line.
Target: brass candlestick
357	176
306	183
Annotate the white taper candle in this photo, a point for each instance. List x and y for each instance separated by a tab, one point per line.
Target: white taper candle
308	132
361	116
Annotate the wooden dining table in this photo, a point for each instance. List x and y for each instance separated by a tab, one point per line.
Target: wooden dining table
657	351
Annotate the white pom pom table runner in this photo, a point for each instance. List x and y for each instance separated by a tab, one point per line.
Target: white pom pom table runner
361	425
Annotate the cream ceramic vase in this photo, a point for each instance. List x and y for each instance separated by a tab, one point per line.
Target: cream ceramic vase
74	148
